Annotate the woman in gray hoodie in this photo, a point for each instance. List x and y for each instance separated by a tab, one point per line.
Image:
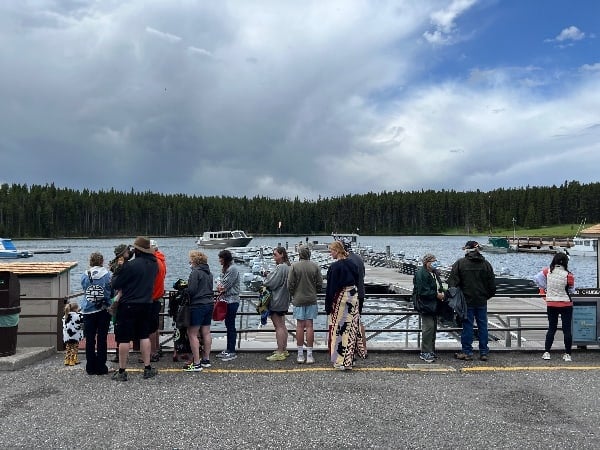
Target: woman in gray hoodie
276	282
200	290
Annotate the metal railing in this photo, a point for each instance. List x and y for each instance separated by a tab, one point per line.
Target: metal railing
383	314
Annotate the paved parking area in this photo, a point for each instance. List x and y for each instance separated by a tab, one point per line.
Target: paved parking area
390	400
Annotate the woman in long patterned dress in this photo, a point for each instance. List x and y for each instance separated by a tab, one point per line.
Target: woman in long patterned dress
341	305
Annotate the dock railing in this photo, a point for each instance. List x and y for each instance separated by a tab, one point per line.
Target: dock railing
385	317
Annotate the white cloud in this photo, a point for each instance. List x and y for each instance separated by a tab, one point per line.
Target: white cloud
325	99
444	21
591	67
199	51
571	33
163	35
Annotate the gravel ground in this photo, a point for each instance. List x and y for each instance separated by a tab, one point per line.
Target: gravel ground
515	400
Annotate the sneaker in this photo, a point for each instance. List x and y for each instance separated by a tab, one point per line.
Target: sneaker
427	357
119	376
567	357
341	367
205	363
483	357
300	359
277	357
546	355
463	356
229	356
193	368
149	373
222	354
285	352
310	359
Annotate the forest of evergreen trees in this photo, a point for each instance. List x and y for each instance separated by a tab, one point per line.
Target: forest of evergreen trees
50	212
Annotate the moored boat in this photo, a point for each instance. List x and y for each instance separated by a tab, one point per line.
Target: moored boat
9	251
223	239
583	247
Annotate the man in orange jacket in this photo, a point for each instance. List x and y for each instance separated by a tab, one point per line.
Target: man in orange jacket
157	294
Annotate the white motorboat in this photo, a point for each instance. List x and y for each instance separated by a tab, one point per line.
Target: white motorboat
583	247
223	239
9	251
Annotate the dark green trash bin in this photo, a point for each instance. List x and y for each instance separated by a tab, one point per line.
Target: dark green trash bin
10	308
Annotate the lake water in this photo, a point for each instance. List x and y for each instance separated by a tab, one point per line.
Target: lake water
446	248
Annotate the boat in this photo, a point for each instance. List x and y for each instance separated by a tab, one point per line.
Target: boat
9	251
53	250
583	247
223	239
496	245
348	238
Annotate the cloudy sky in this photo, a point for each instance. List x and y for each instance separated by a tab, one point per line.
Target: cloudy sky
286	98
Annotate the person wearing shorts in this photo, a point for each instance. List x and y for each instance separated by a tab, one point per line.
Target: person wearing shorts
276	282
304	282
135	279
200	290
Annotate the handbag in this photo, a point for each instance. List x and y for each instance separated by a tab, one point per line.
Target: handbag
264	300
427	307
220	308
183	313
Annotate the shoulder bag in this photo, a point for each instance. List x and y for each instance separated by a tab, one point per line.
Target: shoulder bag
220	308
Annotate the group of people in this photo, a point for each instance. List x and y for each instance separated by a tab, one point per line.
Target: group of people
471	284
128	292
133	286
300	283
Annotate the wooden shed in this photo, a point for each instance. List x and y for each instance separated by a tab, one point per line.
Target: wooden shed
45	288
594	232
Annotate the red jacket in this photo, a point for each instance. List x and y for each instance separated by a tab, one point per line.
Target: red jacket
159	282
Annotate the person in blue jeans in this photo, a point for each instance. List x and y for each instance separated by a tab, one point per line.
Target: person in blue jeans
474	275
96	319
229	288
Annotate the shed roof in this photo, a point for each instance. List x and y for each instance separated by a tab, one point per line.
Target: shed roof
37	268
593	231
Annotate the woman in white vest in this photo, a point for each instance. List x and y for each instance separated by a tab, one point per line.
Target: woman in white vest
556	283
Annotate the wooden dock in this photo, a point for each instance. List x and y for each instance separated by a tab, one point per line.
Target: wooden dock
525	242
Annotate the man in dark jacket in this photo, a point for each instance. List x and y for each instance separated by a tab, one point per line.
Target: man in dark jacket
134	314
475	276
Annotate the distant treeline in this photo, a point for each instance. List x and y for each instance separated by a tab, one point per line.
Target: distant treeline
50	212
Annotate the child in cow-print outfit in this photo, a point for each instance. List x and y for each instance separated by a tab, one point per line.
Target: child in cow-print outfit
72	333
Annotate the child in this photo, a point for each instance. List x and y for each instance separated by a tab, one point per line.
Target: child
72	333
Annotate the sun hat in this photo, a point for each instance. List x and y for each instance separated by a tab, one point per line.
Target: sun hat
120	250
143	245
471	245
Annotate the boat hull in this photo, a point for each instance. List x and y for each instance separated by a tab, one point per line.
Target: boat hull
224	243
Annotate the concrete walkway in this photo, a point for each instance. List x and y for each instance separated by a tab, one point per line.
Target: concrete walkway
390	400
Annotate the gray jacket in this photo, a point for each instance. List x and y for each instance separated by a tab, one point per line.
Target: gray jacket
304	282
230	280
276	282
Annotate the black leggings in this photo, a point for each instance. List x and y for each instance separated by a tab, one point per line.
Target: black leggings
566	317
